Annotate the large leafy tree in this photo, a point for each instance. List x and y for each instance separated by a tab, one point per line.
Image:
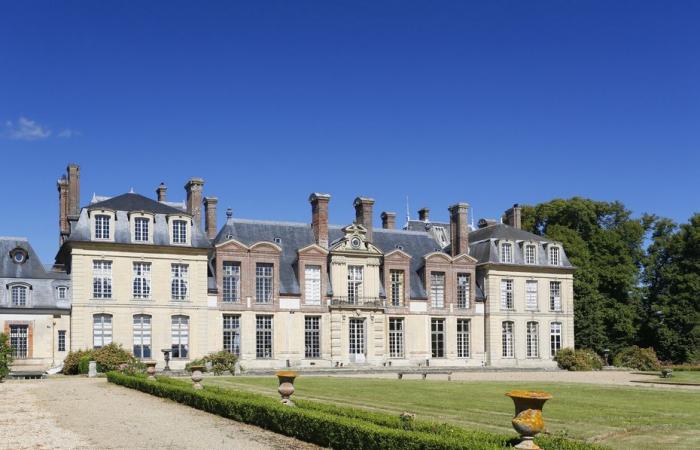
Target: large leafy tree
672	306
605	244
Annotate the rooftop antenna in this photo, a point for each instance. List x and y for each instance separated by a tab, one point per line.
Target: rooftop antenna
408	213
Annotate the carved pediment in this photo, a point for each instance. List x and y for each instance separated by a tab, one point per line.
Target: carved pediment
312	250
397	256
464	259
355	241
232	245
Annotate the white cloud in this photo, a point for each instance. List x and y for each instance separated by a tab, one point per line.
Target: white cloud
68	133
26	130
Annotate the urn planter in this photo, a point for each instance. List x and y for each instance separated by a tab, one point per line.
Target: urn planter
151	370
528	421
197	376
286	385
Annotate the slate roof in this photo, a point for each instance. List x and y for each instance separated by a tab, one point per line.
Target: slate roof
483	245
125	203
31	268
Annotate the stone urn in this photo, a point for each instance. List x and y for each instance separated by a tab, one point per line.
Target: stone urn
197	376
151	370
286	385
528	421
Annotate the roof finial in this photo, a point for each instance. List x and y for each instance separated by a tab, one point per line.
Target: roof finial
131	191
408	213
229	213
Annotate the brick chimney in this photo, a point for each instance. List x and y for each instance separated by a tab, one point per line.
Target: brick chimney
363	214
459	232
319	217
514	216
210	216
73	191
194	199
63	225
161	191
388	220
424	214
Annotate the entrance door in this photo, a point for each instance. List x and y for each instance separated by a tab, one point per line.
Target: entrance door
18	340
357	340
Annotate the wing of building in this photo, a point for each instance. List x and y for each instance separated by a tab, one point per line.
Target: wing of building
149	275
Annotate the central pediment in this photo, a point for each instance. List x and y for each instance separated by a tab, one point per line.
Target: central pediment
354	241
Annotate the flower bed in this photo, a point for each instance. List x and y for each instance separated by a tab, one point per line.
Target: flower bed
330	425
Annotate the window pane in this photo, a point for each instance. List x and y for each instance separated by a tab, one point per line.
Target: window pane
437	341
179	281
531	294
397	287
312	285
506	294
312	337
263	282
396	338
507	339
463	338
180	335
263	336
232	334
437	289
463	290
555	295
533	340
232	282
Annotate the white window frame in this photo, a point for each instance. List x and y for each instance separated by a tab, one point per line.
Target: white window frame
179	282
355	284
102	330
437	289
396	280
232	333
61	341
140	229
101	279
507	294
264	282
20	295
180	336
464	281
179	234
143	335
533	339
437	337
62	292
103	225
554	255
141	282
264	337
531	295
463	339
555	338
508	339
312	284
506	256
397	332
312	337
555	296
231	282
530	258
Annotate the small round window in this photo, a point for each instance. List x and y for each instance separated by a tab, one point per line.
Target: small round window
355	242
19	255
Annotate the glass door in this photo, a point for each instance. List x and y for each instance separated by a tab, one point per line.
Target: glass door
357	340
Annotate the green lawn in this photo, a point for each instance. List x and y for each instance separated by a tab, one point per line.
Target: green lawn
681	377
621	417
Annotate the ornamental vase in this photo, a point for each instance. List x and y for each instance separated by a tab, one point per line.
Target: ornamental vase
528	420
286	385
197	376
151	370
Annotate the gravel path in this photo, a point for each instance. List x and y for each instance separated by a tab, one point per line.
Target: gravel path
67	413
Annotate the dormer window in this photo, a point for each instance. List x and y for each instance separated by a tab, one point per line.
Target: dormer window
441	235
530	254
19	295
101	226
179	232
506	252
62	293
141	226
554	256
18	255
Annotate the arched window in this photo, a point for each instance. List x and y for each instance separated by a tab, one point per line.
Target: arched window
142	336
533	340
507	252
180	329
507	339
20	295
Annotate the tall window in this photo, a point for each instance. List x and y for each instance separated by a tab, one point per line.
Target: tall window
178	281
232	334
555	295
263	336
263	282
180	336
312	337
554	338
232	282
312	285
355	275
437	337
507	339
506	294
142	336
179	232
533	340
102	279
19	341
101	330
554	259
463	288
101	227
396	287
463	338
506	252
62	292
437	289
531	295
141	229
142	280
61	340
356	337
19	295
530	254
396	337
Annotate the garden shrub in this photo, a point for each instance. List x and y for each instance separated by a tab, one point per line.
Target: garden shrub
5	356
84	364
110	357
72	361
221	362
582	359
637	358
331	425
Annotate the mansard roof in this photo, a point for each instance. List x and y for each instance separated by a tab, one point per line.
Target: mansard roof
30	268
135	202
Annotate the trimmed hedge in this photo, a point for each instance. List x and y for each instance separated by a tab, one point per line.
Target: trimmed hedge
330	425
581	359
637	358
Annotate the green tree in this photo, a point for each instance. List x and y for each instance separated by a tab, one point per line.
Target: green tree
672	306
605	244
5	356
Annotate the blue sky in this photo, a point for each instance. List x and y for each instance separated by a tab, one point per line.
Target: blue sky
486	102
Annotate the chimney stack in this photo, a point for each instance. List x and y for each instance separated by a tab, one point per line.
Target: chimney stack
63	225
161	191
424	214
388	220
73	191
194	199
459	232
514	216
210	216
319	217
363	214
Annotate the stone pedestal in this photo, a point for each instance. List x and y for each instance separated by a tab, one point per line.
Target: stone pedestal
92	369
528	421
286	385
